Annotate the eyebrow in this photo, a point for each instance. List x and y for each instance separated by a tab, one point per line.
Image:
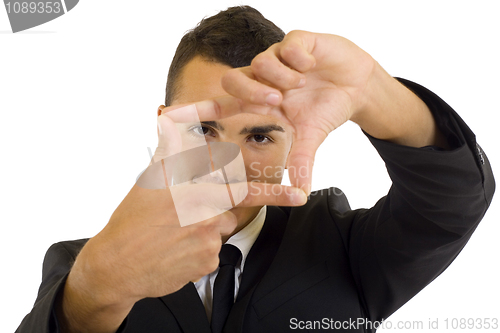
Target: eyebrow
261	129
264	129
213	124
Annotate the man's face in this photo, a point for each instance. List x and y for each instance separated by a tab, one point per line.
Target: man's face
264	141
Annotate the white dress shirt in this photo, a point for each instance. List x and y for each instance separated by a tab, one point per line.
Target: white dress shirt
243	240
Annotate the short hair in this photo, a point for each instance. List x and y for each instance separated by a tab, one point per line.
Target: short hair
232	37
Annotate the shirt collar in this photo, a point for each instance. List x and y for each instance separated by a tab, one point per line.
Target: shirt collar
245	238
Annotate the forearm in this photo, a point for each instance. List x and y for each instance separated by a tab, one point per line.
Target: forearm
394	113
75	314
82	307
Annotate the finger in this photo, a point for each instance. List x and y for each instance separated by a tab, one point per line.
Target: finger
241	83
272	68
296	50
169	143
214	109
169	139
301	161
246	194
195	203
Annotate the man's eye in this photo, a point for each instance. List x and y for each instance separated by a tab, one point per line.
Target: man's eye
258	138
201	130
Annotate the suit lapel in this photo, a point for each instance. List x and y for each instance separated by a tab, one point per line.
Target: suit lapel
264	249
258	261
188	309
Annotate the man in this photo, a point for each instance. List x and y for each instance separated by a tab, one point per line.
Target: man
145	273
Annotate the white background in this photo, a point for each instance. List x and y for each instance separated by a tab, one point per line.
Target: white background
78	99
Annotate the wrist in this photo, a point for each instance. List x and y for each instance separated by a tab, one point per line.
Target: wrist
377	101
95	276
91	300
393	113
86	304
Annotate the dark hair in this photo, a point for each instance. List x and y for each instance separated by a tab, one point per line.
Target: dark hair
232	37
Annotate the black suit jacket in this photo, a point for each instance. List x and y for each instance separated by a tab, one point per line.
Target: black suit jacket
324	264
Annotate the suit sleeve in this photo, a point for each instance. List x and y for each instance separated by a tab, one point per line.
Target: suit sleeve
56	265
435	203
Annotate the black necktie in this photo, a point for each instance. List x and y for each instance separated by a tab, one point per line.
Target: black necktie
223	296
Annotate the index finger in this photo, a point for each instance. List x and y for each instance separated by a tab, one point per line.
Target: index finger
216	108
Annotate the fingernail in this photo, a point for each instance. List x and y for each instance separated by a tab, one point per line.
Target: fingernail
273	99
302	83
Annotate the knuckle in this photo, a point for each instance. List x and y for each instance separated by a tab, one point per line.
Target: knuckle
211	264
291	80
294	55
281	77
209	239
259	63
294	35
288	50
213	246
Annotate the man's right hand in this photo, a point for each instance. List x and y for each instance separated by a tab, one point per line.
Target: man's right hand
144	252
